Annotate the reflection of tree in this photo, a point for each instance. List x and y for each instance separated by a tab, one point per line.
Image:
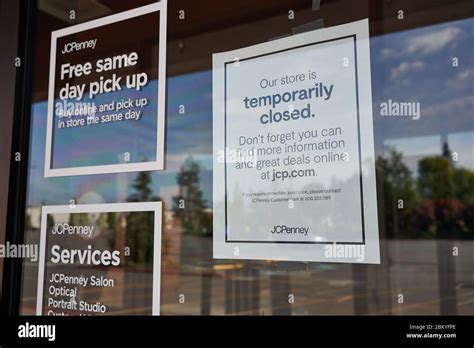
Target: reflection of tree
435	178
49	222
190	204
463	188
111	221
189	208
141	185
438	204
440	213
397	184
467	219
140	225
440	209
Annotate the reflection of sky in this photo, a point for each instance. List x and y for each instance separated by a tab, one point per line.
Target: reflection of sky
109	141
188	134
412	65
416	66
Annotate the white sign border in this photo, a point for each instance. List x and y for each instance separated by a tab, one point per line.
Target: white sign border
104	208
158	164
223	249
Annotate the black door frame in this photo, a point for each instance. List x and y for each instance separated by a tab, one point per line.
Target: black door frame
15	221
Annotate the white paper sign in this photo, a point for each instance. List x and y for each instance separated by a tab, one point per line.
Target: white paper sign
106	96
294	174
90	262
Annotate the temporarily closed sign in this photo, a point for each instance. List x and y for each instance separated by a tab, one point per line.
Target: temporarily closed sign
294	175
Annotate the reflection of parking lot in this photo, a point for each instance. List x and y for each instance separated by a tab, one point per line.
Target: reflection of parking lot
259	287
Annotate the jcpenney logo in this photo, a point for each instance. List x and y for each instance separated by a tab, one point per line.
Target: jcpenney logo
77	46
37	331
290	230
